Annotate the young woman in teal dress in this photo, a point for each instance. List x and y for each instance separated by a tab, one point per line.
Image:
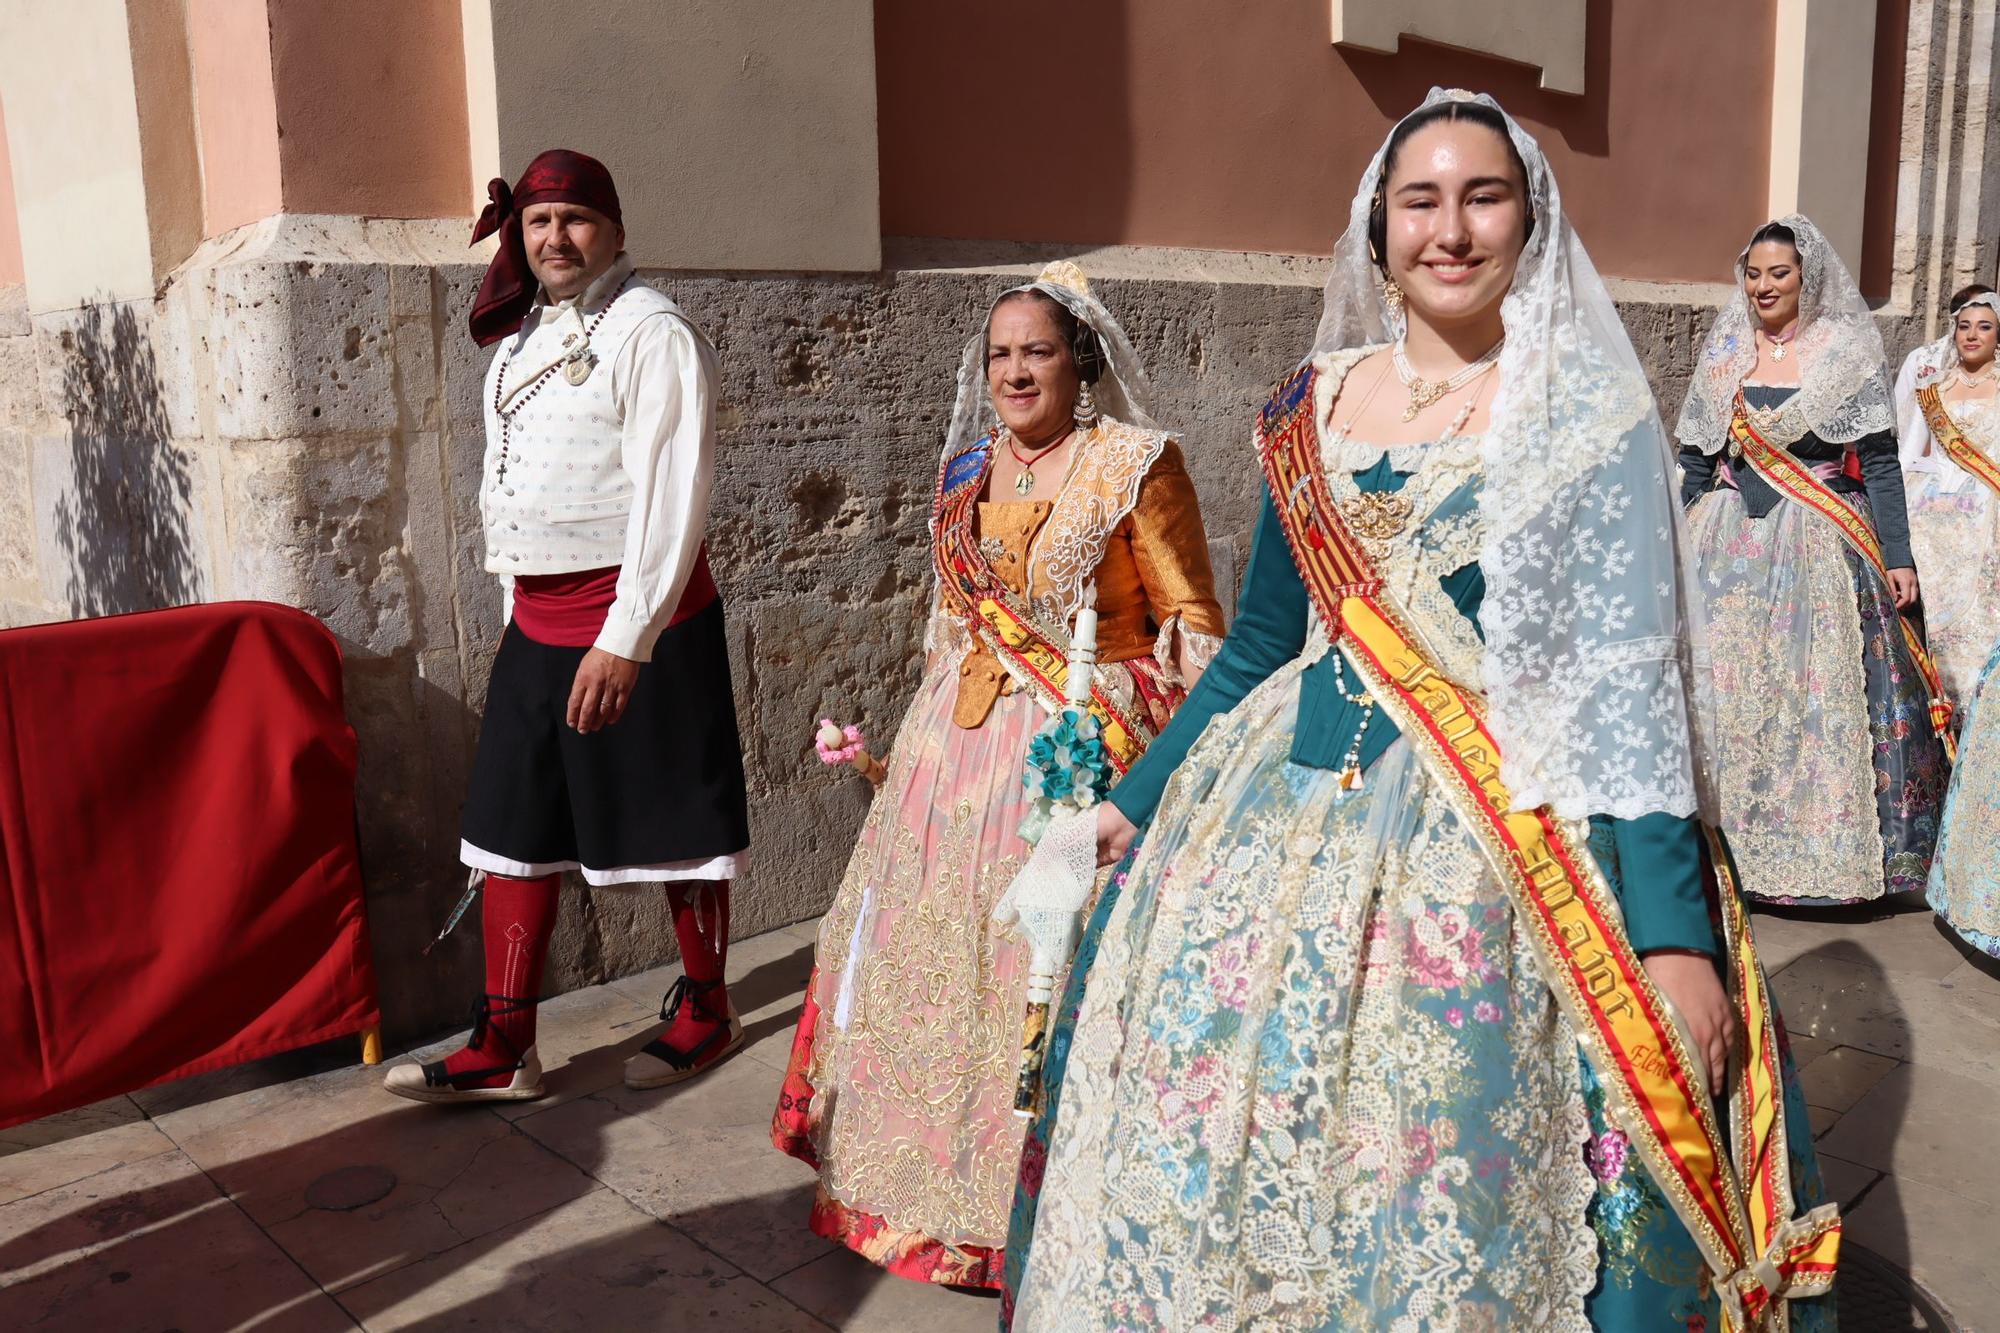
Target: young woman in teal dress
1311	1071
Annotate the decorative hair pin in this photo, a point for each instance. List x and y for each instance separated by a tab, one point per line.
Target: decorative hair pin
1066	273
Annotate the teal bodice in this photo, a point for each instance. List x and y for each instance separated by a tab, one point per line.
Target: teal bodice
1653	862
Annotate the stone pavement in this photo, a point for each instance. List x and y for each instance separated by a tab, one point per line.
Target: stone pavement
295	1195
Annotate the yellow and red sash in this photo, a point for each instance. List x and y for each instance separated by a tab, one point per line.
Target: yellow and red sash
1952	440
1034	654
1795	481
1731	1191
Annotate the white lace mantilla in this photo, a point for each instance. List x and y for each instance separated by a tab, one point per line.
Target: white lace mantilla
1590	712
1844	389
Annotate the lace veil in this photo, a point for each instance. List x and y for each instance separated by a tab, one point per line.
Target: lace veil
1122	391
1843	377
1929	364
1586	620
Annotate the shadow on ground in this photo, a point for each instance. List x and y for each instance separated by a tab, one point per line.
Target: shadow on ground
599	1208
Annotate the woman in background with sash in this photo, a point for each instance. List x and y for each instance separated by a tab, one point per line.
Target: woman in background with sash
1951	457
1325	1067
1950	437
901	1080
1826	717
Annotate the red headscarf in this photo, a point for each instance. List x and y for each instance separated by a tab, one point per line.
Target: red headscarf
508	290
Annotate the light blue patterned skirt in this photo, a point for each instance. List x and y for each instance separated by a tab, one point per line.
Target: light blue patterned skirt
1316	1082
1964	887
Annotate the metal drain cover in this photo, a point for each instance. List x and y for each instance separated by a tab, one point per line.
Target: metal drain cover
1878	1297
350	1187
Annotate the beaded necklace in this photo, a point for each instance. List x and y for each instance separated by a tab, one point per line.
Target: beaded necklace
1382	515
536	385
1971	381
1424	392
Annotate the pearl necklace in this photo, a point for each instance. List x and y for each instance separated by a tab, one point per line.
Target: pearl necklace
1349	779
1464	415
1974	381
1425	392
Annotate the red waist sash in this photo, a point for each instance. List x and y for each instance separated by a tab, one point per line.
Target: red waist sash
568	610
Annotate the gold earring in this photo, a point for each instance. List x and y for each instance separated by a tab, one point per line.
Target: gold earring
1392	297
1085	411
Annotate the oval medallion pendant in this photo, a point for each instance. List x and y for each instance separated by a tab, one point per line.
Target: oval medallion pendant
1024	483
578	370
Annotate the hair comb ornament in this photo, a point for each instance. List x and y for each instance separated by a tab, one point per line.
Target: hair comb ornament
1066	273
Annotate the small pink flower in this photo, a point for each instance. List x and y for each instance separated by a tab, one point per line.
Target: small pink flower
1455	959
1486	1011
1034	1158
1419	1150
852	741
1606	1154
1455	1016
1229	974
1203	1083
1377	952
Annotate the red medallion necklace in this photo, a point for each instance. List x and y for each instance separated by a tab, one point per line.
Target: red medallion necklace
1025	483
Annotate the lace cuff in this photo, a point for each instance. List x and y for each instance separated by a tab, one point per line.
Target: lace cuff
1201	649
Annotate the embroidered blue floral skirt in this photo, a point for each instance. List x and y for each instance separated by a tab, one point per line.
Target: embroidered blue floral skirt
1428	1185
1964	887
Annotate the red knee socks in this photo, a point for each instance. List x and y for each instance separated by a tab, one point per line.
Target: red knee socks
519	917
701	925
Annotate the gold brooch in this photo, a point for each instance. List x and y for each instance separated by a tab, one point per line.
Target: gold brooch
1377	516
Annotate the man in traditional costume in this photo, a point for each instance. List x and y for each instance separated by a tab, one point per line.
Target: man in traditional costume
609	743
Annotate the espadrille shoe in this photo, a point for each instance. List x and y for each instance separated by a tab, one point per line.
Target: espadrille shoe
433	1083
658	1065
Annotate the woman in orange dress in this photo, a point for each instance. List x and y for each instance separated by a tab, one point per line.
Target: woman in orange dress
900	1086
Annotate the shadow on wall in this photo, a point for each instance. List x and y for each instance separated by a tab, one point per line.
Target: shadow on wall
122	524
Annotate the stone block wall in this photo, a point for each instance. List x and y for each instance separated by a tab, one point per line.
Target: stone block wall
296	418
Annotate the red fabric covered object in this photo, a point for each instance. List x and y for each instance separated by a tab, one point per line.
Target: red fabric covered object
179	883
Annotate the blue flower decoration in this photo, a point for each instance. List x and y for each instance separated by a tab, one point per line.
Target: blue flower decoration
1067	764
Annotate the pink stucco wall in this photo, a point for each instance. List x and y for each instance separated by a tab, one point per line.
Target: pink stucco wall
371	95
1241	127
236	114
330	106
11	272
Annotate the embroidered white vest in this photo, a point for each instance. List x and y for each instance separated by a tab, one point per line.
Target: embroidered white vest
556	497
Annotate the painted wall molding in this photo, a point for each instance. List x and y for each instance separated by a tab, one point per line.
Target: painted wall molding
1820	99
1547	34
